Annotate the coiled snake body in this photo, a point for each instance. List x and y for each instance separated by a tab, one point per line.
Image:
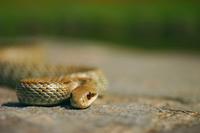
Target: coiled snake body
46	85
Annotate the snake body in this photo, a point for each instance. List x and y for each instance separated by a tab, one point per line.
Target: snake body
47	85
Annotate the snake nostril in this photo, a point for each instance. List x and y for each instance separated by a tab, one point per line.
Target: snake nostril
90	95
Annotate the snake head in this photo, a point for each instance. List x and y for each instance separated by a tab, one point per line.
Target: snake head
83	97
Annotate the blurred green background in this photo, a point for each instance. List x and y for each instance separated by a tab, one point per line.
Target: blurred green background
149	25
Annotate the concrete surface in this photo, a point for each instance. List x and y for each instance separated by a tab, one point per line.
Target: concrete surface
148	92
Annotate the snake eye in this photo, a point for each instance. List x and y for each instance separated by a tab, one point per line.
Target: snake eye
90	95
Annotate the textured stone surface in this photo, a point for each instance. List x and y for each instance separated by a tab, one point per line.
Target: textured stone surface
148	92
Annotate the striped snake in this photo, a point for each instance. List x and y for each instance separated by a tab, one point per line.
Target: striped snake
40	84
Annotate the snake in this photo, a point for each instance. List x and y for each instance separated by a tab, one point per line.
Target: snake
40	84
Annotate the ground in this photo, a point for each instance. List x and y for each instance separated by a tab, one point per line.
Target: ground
148	92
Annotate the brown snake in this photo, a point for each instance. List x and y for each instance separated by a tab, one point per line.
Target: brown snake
47	85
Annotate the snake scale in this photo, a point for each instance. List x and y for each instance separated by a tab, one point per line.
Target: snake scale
43	84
